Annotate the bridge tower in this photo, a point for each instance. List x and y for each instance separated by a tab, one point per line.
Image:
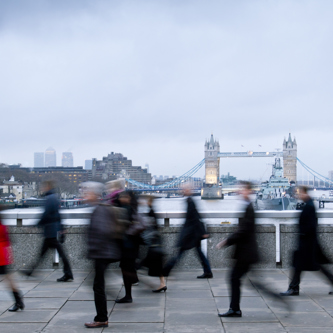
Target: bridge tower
212	161
211	190
290	159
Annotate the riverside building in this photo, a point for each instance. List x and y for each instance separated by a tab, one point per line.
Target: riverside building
115	166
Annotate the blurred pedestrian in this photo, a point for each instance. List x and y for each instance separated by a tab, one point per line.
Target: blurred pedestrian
51	222
5	260
246	251
103	248
308	256
154	259
113	189
191	234
130	244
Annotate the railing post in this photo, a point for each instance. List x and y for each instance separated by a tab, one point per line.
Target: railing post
166	222
19	222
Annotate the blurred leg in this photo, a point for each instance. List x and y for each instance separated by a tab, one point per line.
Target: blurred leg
99	291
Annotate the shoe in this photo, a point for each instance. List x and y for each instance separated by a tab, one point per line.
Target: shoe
135	284
66	278
205	276
26	273
124	300
18	303
96	324
231	313
290	292
159	290
330	293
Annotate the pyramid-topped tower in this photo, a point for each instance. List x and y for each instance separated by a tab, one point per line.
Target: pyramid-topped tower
212	149
290	159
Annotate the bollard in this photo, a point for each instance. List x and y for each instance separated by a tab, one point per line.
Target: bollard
166	222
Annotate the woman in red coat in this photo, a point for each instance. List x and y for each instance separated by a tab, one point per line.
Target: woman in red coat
5	260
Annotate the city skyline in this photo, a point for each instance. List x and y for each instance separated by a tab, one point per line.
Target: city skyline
153	82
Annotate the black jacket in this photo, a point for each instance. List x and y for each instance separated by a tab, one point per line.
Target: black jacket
50	220
193	229
101	241
309	254
244	239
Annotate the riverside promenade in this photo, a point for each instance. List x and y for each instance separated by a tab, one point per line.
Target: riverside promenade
189	305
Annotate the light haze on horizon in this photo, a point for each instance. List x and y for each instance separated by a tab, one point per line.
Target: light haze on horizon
152	80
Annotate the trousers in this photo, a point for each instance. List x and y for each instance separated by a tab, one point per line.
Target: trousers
204	261
53	243
235	281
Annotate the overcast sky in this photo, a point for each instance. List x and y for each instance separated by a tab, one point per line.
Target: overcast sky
153	80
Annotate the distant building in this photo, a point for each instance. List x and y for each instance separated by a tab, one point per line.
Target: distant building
74	175
50	157
115	165
88	164
67	160
11	190
39	160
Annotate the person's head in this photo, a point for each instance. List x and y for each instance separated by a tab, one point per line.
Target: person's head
245	189
187	190
48	185
150	201
92	191
125	198
115	185
303	193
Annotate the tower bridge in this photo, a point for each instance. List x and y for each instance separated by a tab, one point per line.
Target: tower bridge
211	190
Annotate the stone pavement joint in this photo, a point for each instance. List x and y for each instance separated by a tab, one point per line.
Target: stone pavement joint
189	305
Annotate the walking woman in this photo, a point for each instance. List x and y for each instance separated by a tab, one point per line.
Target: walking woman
5	260
154	258
130	244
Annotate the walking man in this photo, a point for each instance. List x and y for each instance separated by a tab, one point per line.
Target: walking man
246	252
308	256
103	248
193	231
51	222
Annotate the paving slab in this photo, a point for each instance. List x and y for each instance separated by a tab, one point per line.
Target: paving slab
44	303
129	314
135	327
28	316
305	319
254	327
75	313
252	316
21	327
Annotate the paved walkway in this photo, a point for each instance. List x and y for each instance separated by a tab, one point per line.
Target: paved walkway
189	305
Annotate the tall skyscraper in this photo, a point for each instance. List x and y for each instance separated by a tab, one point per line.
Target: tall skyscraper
67	160
39	160
88	164
50	157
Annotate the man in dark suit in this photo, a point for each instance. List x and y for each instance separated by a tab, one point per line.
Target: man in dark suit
308	256
191	234
51	223
246	252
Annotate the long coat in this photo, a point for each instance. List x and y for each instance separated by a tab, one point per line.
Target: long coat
193	228
50	220
246	251
309	255
5	253
101	241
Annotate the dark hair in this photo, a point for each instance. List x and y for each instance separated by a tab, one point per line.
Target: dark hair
303	189
49	183
247	185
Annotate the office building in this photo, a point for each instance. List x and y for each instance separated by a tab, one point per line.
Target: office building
88	164
50	157
67	160
39	160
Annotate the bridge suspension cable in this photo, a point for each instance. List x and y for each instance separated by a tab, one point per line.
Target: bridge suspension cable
315	173
172	183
